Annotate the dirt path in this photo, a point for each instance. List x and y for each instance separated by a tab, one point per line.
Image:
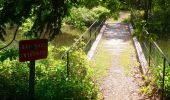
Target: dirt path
120	81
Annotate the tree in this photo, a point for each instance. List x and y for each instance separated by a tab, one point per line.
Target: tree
112	5
46	16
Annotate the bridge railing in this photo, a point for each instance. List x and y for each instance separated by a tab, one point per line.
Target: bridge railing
84	42
158	62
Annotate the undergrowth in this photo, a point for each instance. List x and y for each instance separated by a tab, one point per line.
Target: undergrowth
52	81
83	17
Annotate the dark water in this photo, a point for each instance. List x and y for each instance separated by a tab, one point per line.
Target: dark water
66	38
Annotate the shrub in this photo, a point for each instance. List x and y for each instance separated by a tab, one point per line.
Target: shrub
51	80
83	17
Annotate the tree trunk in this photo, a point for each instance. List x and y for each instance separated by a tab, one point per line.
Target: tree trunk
146	11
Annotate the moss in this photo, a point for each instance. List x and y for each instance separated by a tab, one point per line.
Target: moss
126	59
101	62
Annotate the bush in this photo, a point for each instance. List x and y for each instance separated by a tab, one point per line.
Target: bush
83	17
14	79
52	82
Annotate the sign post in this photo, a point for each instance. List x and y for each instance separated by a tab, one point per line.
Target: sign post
31	80
31	50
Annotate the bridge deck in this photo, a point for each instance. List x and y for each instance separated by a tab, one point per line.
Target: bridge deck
122	71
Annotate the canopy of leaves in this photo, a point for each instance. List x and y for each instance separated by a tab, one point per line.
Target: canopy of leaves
47	15
112	5
82	17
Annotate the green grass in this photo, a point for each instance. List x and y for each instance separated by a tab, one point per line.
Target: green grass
101	62
126	20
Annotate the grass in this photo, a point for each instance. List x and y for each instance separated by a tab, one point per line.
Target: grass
101	62
126	20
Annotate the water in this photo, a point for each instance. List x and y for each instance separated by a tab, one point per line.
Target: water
165	46
67	36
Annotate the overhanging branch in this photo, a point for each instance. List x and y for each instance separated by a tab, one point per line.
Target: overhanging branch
12	39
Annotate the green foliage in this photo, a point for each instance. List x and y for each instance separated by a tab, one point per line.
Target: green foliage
90	3
159	23
153	79
26	27
83	17
140	29
157	79
142	34
14	78
156	14
48	15
101	12
112	5
11	53
52	81
146	90
153	82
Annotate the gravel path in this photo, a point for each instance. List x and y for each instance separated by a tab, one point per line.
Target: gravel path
120	83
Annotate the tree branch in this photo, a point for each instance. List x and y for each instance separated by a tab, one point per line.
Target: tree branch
12	39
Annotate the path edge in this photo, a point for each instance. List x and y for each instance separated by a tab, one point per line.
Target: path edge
140	55
92	50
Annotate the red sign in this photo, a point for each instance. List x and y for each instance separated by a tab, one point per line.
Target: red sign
30	50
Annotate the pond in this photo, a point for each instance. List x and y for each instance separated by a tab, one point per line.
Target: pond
165	46
156	58
66	38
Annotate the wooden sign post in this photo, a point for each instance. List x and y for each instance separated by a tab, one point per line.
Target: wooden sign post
31	50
